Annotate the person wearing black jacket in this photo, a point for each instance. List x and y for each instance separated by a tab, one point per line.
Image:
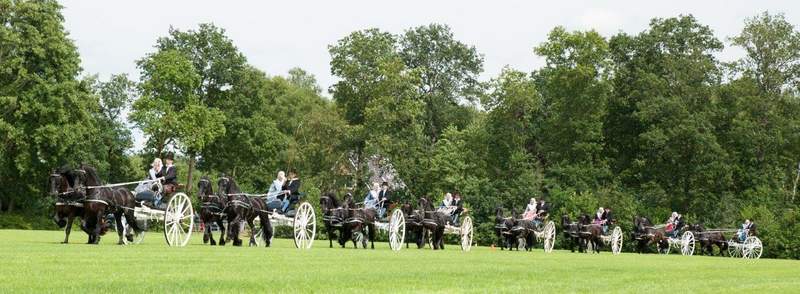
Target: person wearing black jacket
170	174
291	191
384	199
608	218
459	204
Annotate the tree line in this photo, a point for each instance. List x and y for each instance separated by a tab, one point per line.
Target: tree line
645	123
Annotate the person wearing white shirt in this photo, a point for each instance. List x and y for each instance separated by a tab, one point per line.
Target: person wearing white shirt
371	200
277	186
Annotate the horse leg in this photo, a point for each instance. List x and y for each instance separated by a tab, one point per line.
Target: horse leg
372	236
441	238
221	226
97	228
68	229
252	226
266	229
120	228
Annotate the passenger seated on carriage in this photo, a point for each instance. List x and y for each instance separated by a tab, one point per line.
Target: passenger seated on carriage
371	199
744	232
276	188
530	210
448	198
674	224
291	191
147	191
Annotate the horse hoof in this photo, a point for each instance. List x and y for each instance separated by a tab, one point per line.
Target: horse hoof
213	243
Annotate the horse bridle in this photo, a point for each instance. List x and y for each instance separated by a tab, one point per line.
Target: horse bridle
60	178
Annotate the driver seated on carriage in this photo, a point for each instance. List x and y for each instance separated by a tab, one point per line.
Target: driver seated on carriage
151	191
291	191
744	232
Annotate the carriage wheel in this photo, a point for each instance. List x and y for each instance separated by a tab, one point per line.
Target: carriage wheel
305	226
178	220
397	230
549	236
752	248
734	248
466	234
138	237
616	241
687	243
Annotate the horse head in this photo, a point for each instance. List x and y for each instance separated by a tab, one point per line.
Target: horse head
58	183
565	221
204	189
328	202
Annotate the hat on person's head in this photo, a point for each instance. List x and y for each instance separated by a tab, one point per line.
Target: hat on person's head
385	184
169	156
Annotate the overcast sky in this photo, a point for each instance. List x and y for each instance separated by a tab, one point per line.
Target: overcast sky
278	35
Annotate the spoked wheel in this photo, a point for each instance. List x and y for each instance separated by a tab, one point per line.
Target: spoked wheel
397	230
752	248
467	233
305	226
178	220
127	229
549	236
734	248
687	243
616	241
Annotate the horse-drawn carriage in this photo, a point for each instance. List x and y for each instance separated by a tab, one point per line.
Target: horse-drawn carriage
355	222
520	233
589	236
746	246
260	211
176	213
303	222
464	230
646	233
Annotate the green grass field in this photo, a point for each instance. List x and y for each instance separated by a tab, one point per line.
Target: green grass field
34	261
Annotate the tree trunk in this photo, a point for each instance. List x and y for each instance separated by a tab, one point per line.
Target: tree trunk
189	184
10	205
1	204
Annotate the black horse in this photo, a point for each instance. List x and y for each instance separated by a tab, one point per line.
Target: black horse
523	231
359	222
333	216
433	222
69	204
646	234
571	233
589	234
502	225
242	207
414	229
212	209
708	239
100	201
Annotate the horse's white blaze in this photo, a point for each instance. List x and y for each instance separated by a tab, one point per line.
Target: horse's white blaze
178	220
467	233
397	230
305	226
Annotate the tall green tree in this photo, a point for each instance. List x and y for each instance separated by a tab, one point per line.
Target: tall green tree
773	53
45	110
662	131
575	86
448	71
170	110
114	140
